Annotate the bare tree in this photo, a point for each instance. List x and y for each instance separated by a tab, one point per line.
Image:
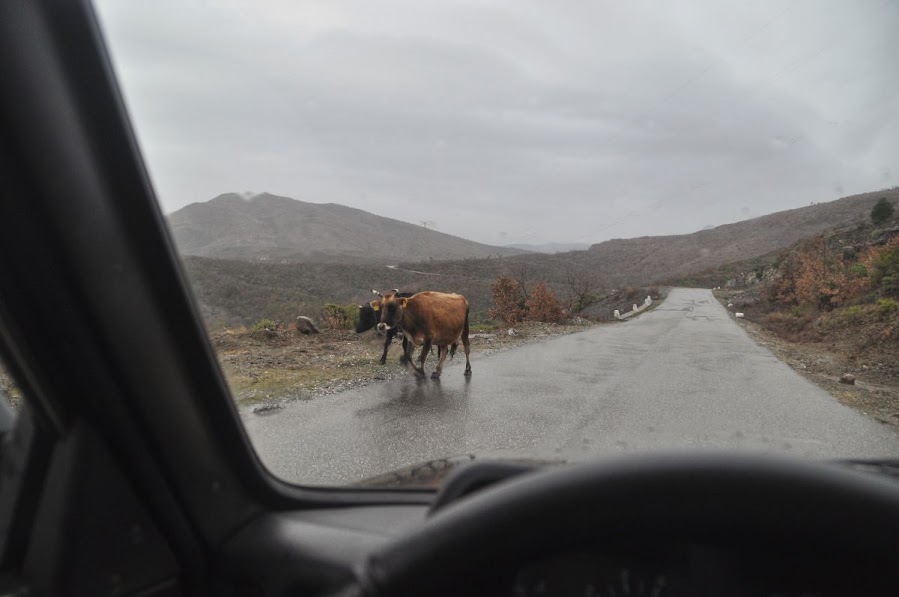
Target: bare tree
582	288
520	272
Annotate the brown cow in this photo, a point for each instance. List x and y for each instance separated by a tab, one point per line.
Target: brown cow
427	319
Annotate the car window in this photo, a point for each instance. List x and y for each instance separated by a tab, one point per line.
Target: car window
609	227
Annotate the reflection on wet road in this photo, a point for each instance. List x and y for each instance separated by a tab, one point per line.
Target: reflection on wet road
681	376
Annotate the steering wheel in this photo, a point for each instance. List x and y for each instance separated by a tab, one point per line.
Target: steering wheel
825	512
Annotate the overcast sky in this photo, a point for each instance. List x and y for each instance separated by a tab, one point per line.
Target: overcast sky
509	122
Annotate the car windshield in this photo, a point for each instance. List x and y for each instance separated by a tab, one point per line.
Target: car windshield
420	234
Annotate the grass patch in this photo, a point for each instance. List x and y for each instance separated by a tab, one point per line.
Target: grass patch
852	314
296	383
887	307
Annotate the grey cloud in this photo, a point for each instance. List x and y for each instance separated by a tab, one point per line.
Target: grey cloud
530	119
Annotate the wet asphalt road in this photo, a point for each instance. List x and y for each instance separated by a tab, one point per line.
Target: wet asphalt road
684	375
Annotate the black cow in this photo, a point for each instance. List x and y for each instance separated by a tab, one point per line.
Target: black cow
368	319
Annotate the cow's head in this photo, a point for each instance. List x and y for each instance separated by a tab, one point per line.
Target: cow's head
368	318
390	307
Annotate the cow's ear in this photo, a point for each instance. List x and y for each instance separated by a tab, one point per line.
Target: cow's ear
403	302
375	305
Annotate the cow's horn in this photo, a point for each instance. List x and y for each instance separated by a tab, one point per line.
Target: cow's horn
395	291
376	292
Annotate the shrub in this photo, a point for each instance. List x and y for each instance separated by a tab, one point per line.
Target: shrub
335	317
885	272
543	305
339	317
350	314
882	211
264	325
507	298
852	314
858	270
813	275
887	307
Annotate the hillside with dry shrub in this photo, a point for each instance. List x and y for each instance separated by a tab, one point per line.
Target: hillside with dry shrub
659	259
837	292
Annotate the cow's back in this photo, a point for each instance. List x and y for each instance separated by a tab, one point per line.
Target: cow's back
435	315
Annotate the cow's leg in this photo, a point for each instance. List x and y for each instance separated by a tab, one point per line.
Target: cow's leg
408	349
425	349
387	342
467	357
403	357
441	354
466	344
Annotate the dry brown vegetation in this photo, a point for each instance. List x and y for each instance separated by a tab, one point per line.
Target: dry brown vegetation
512	302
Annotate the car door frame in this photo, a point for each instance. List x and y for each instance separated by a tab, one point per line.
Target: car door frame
96	317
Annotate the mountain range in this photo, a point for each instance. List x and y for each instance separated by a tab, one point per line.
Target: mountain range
272	256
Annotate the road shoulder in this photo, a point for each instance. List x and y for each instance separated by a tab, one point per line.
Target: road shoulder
874	395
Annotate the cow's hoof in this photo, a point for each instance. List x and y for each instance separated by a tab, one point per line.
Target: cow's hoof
435	375
468	373
383	361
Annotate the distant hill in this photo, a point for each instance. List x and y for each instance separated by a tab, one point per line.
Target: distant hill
232	292
550	247
279	229
655	259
